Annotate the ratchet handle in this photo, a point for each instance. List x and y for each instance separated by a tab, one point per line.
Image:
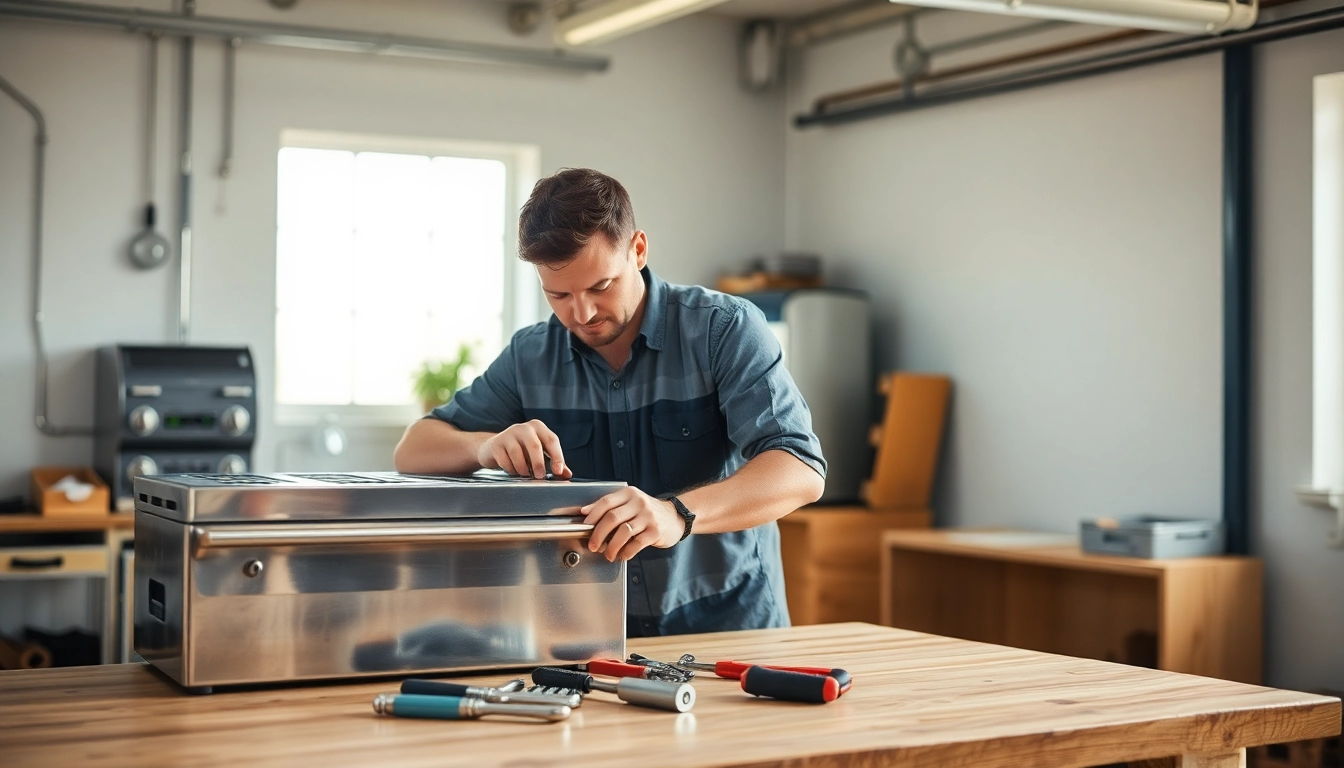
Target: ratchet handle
433	688
734	669
613	668
790	686
550	677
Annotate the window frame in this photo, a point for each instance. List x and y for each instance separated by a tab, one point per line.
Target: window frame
524	303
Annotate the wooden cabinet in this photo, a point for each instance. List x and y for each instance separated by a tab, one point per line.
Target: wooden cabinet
1198	615
831	560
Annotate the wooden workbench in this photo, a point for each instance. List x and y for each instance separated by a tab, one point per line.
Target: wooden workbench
917	700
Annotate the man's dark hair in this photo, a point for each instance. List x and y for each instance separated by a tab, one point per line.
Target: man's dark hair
566	209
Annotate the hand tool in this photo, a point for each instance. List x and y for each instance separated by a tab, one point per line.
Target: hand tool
614	668
668	671
790	686
495	695
460	708
734	669
657	694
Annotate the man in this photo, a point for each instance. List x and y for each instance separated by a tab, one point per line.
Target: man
679	391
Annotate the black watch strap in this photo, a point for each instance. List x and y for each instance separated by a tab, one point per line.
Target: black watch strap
686	515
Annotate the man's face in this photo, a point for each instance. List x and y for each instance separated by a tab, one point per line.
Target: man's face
597	293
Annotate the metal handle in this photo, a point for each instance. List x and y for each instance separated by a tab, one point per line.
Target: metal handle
22	563
293	536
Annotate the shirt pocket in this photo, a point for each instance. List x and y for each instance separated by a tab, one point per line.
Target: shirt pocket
576	441
691	446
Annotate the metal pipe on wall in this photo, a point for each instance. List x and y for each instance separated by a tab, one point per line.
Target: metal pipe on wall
184	186
294	36
1237	302
1305	24
39	194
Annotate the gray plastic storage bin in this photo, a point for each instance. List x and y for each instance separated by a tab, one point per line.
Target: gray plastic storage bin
1153	537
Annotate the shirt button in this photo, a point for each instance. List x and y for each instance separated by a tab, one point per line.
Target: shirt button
685	431
620	443
634	579
615	385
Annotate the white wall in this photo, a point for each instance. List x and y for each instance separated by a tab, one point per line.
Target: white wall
701	158
1057	252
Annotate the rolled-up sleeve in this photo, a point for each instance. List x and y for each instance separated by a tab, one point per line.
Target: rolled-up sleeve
758	398
490	403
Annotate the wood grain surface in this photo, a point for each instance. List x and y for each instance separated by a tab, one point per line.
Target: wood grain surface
917	700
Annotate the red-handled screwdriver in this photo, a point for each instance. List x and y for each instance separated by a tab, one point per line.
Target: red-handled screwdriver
735	670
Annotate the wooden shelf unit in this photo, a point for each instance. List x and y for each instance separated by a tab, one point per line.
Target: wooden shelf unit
1198	615
33	522
831	560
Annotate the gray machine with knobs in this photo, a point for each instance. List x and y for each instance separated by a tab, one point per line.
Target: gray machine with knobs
172	408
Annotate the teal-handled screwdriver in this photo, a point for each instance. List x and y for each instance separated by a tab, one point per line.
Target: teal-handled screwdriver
460	707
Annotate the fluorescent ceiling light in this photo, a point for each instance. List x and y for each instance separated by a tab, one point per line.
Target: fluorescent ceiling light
1191	17
621	17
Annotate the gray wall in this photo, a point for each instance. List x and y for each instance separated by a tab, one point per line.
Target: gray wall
700	157
1057	252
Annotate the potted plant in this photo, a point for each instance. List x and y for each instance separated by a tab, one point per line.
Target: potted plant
437	380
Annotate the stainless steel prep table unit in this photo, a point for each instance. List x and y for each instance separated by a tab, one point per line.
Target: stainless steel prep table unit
270	578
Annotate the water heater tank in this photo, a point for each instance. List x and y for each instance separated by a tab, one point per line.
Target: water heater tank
825	336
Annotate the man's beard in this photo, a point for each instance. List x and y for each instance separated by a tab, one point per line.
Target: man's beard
606	338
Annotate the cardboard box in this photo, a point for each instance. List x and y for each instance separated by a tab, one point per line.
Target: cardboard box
53	503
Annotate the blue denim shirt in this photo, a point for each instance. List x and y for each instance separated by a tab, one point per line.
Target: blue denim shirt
705	390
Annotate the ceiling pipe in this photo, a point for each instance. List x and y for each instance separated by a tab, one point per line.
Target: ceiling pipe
897	86
1189	17
1308	23
294	36
849	19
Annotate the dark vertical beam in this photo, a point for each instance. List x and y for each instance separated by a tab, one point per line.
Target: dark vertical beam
1237	347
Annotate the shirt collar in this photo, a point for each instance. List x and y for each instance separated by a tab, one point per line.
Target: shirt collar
653	327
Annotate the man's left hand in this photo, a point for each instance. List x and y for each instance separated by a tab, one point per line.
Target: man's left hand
629	520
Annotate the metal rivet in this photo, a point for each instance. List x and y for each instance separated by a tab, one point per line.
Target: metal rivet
572	558
253	568
685	431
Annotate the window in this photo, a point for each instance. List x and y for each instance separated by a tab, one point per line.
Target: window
391	252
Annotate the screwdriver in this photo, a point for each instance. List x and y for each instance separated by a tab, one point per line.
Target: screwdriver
657	694
493	695
734	670
460	708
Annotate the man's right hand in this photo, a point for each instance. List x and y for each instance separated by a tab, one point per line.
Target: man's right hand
522	450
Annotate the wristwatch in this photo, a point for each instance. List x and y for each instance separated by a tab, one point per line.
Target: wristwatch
686	515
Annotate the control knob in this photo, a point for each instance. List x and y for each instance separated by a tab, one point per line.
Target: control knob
141	466
235	420
143	420
233	464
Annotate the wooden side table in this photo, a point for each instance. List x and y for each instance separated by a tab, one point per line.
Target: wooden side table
1197	615
831	560
100	541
